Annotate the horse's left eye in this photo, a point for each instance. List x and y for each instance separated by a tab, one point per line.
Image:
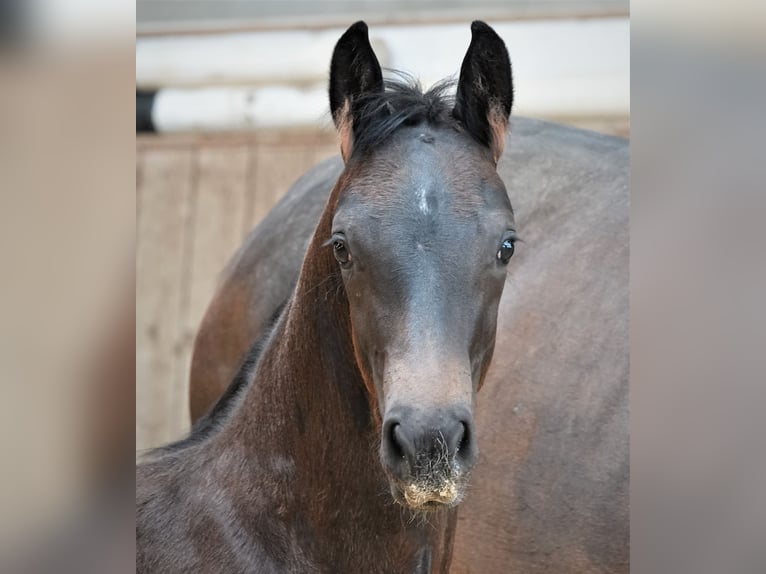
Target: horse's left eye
341	253
505	252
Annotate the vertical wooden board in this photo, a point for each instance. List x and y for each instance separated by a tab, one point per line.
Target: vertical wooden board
306	162
274	166
318	146
277	168
322	151
220	200
166	185
246	222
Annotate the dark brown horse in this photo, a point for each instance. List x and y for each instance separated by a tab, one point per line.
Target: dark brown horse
549	493
296	490
348	439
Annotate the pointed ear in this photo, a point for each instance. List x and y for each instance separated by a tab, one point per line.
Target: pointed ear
354	72
485	89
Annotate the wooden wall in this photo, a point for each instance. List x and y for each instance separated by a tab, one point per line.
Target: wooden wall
196	199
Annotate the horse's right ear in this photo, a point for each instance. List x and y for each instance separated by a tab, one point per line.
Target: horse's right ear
485	89
354	72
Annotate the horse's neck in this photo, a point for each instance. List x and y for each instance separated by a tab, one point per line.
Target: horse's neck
307	425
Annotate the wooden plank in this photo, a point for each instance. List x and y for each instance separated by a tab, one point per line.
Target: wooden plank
220	198
246	221
276	168
322	151
287	136
190	140
166	185
194	197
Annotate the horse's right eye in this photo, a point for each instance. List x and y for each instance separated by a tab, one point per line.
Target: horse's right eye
341	253
506	250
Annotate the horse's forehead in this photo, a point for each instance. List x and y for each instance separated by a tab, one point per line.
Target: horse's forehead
426	152
424	170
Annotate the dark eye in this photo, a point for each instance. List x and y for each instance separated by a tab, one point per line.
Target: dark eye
341	253
505	252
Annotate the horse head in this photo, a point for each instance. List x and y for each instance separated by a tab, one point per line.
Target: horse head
422	232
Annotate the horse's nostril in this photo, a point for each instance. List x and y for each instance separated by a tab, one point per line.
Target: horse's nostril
398	448
462	437
464	444
393	441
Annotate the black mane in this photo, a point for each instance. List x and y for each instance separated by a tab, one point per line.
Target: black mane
377	115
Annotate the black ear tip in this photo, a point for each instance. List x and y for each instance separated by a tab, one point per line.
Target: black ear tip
354	36
478	27
359	27
483	31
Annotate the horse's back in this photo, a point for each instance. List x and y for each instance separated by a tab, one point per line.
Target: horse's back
550	493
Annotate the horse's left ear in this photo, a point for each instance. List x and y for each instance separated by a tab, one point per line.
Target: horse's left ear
485	89
354	73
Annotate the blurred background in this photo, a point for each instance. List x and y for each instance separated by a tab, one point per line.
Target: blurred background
73	171
232	108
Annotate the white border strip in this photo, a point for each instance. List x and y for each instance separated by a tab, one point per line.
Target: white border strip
238	109
273	79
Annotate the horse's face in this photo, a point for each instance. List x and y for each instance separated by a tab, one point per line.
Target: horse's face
423	232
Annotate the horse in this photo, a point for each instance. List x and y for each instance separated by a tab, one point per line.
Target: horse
549	490
350	441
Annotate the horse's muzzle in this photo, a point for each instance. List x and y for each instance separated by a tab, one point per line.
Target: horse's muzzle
428	456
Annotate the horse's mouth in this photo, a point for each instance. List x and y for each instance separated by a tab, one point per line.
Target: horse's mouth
426	498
